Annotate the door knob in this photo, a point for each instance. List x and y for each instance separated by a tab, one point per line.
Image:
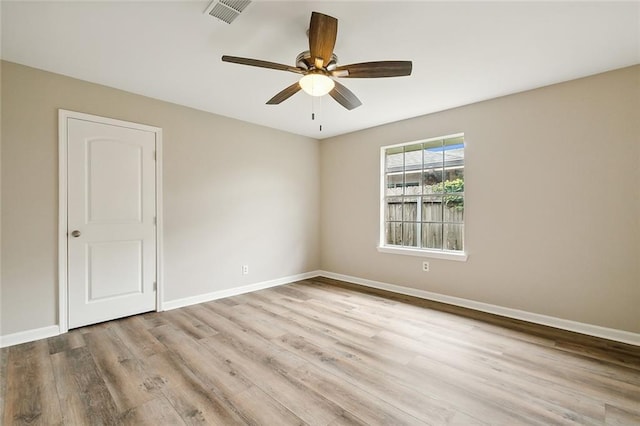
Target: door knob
75	234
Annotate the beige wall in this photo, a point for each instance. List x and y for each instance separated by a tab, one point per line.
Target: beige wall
234	193
552	202
552	180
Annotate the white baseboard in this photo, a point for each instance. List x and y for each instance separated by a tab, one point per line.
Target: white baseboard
188	301
578	327
29	336
54	330
564	324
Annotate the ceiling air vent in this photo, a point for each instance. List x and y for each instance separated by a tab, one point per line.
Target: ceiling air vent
227	10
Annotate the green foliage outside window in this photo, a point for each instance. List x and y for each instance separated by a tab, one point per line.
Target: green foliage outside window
455	202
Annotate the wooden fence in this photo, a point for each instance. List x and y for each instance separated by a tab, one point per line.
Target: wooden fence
429	224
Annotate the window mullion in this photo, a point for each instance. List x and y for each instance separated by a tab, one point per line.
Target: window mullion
443	204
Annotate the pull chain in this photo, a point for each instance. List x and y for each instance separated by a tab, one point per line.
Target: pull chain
313	109
320	108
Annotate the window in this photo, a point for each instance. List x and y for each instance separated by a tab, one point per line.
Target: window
423	197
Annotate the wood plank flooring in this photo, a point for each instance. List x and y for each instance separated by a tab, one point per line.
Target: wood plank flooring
320	352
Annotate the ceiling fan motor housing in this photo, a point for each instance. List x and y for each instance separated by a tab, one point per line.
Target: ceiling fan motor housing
303	60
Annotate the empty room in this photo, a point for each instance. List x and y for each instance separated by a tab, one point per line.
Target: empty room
237	212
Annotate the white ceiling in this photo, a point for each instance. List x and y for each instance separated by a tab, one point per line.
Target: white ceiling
462	52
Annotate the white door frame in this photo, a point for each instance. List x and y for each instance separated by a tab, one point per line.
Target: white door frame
63	116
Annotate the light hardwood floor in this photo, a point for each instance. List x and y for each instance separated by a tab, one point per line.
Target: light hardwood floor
320	352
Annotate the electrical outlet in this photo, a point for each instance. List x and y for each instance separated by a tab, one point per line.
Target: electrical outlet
245	269
425	266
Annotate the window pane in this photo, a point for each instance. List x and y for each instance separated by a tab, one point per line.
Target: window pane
454	208
394	160
432	154
432	208
394	170
454	152
412	182
393	209
433	145
394	184
412	169
393	233
410	209
454	236
454	179
409	236
456	140
453	157
432	235
432	179
413	157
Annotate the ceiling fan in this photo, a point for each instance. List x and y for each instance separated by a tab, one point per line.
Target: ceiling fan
319	64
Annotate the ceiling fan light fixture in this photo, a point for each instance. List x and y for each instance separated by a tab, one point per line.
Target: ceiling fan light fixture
317	84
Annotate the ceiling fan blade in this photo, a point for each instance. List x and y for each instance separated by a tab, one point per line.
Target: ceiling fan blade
374	69
345	97
261	64
284	94
323	30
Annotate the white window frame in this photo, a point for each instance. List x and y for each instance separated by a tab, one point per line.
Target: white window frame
460	256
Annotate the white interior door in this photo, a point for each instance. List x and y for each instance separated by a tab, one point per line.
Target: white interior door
111	211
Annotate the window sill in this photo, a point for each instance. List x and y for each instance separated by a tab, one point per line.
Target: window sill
447	255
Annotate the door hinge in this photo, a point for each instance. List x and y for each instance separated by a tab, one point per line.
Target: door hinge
155	286
155	156
155	220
